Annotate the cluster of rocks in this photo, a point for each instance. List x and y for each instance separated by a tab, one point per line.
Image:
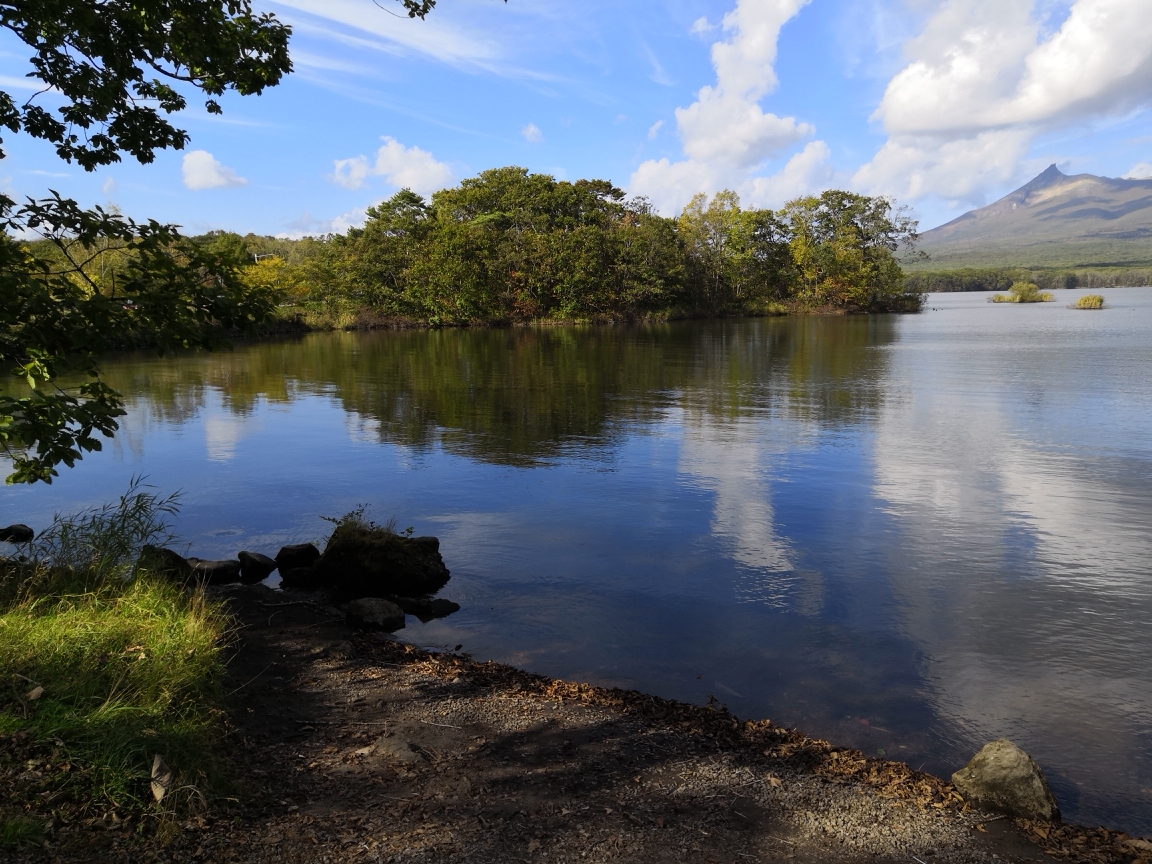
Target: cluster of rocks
384	575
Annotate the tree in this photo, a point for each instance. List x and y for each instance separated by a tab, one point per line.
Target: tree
119	68
843	248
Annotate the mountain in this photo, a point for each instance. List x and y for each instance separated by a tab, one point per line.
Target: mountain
1054	220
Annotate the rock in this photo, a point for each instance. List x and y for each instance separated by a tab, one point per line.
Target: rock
363	560
296	555
17	534
216	572
373	613
342	650
255	567
1004	779
299	579
392	749
426	609
165	563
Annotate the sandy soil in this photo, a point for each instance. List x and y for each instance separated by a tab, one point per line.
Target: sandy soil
357	748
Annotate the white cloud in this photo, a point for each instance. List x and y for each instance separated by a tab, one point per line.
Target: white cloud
109	187
532	134
1139	171
654	130
985	77
201	170
404	167
725	133
808	172
701	27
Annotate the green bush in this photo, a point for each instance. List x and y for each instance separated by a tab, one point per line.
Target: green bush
1090	301
1023	292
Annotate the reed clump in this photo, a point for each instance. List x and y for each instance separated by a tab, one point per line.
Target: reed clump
1023	292
103	667
1090	301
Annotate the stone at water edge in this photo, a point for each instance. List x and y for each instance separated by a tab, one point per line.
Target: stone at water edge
427	610
216	572
17	534
365	560
1005	779
296	556
165	563
374	613
255	567
298	579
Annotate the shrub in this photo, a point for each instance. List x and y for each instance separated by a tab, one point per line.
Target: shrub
1023	292
1090	301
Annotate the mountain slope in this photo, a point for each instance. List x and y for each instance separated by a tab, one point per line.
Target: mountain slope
1053	220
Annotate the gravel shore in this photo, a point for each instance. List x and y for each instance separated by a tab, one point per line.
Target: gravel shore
357	748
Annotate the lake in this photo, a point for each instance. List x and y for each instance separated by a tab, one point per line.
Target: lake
907	534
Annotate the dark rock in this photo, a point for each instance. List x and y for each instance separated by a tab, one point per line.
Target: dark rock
17	534
1004	779
432	544
297	555
426	609
362	560
165	563
374	613
216	572
255	567
299	579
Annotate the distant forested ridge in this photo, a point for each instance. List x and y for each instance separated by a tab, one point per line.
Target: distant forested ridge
511	247
1002	278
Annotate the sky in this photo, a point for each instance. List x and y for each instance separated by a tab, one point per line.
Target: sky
943	106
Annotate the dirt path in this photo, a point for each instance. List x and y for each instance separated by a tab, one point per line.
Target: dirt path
362	749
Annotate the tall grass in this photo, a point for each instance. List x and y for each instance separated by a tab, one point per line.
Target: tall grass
1090	301
103	666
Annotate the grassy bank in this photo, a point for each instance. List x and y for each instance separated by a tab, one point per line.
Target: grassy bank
103	669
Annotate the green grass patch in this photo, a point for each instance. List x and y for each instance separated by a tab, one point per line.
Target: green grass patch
1090	301
103	667
18	832
1023	292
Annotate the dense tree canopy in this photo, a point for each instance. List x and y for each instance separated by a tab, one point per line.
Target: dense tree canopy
512	246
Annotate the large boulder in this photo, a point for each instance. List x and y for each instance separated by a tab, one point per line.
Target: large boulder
1004	779
216	572
373	613
296	555
17	534
255	567
365	560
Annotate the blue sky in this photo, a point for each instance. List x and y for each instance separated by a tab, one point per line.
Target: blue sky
942	105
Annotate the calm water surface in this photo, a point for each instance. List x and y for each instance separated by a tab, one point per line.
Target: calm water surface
906	534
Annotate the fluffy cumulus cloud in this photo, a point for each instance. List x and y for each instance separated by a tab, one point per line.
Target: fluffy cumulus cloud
1140	171
201	170
403	167
532	134
726	135
985	77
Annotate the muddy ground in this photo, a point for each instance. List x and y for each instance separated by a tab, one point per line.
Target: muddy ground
349	747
